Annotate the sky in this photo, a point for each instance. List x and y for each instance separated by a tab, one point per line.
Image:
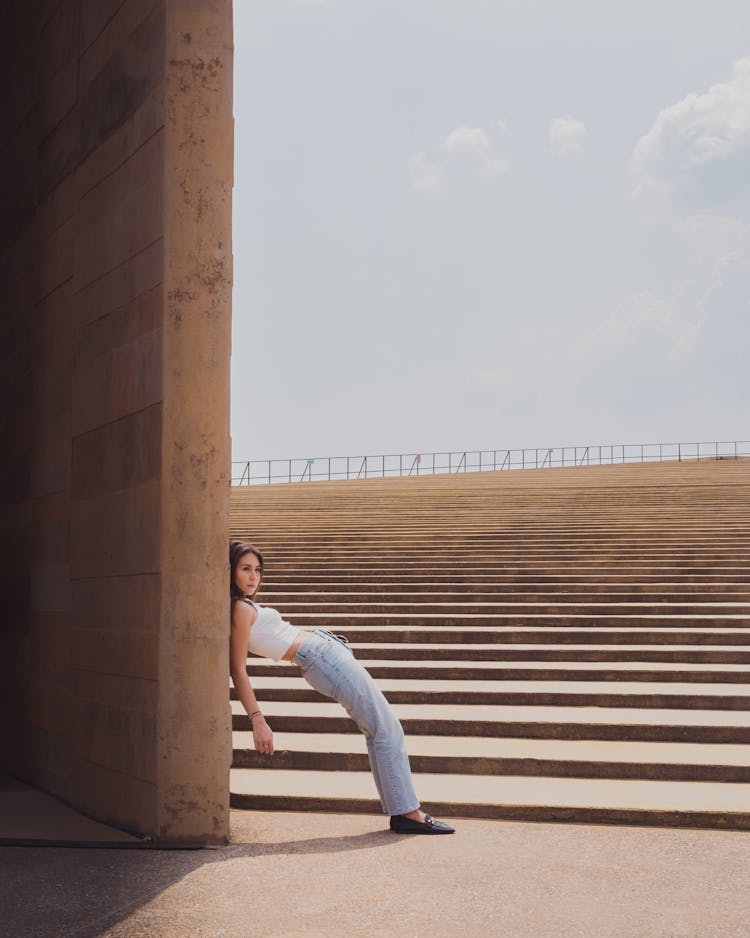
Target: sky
482	224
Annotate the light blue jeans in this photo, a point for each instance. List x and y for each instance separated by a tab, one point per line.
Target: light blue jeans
330	667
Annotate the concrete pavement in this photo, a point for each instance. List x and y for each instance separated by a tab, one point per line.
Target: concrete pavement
337	875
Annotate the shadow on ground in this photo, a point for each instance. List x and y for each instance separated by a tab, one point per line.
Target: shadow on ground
70	892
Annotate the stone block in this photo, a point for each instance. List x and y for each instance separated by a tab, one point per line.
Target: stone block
49	463
121	216
18	428
53	353
95	15
59	98
123	142
59	38
49	707
51	591
113	797
117	690
59	153
118	455
119	71
119	604
120	286
49	756
132	653
58	208
19	257
118	366
55	259
50	646
117	534
16	334
118	738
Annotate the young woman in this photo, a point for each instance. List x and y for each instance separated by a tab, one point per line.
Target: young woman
328	665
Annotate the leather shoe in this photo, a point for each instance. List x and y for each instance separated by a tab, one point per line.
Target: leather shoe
407	825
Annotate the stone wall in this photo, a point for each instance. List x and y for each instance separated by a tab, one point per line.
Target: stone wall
115	287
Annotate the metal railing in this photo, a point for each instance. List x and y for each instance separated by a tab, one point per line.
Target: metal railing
328	468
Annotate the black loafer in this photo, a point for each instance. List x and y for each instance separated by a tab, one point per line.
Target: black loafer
407	825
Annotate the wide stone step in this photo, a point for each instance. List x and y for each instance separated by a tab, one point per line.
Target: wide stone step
494	593
472	620
660	803
557	722
487	756
541	650
301	579
513	633
533	693
533	671
415	611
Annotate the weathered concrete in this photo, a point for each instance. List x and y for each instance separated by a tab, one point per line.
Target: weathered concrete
333	875
115	280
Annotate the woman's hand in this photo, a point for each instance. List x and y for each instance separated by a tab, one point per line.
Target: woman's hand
262	735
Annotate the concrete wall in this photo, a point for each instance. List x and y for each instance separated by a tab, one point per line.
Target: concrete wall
115	280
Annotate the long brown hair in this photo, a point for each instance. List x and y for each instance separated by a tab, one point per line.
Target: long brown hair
237	550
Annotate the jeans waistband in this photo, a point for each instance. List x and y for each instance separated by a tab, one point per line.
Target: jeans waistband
322	638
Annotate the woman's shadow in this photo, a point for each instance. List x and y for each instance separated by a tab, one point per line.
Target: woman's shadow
312	845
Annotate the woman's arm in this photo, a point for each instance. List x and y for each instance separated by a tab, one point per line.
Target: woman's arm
243	617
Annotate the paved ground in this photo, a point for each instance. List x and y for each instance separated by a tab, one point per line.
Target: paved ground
339	875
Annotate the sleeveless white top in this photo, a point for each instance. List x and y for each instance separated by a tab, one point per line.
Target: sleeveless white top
270	635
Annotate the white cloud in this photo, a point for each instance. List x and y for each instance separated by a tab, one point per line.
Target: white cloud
473	141
713	241
643	319
475	146
425	176
695	154
567	136
495	167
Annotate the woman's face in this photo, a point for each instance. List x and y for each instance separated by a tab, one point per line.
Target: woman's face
247	574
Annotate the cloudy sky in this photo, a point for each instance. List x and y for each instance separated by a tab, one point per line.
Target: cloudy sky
466	224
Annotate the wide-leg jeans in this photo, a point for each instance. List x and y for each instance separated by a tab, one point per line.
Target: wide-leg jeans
330	667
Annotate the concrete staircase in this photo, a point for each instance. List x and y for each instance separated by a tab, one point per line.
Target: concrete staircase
562	644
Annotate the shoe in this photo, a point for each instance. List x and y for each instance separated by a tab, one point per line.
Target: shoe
407	825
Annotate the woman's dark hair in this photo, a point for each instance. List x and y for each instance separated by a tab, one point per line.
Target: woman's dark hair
237	550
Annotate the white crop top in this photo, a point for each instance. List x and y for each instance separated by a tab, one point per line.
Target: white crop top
270	635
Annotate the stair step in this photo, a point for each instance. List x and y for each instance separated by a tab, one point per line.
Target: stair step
482	756
538	693
572	653
533	671
555	722
517	748
525	634
658	803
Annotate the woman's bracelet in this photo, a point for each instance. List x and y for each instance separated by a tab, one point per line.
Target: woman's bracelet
254	714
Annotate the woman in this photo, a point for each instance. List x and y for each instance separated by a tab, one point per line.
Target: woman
330	667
